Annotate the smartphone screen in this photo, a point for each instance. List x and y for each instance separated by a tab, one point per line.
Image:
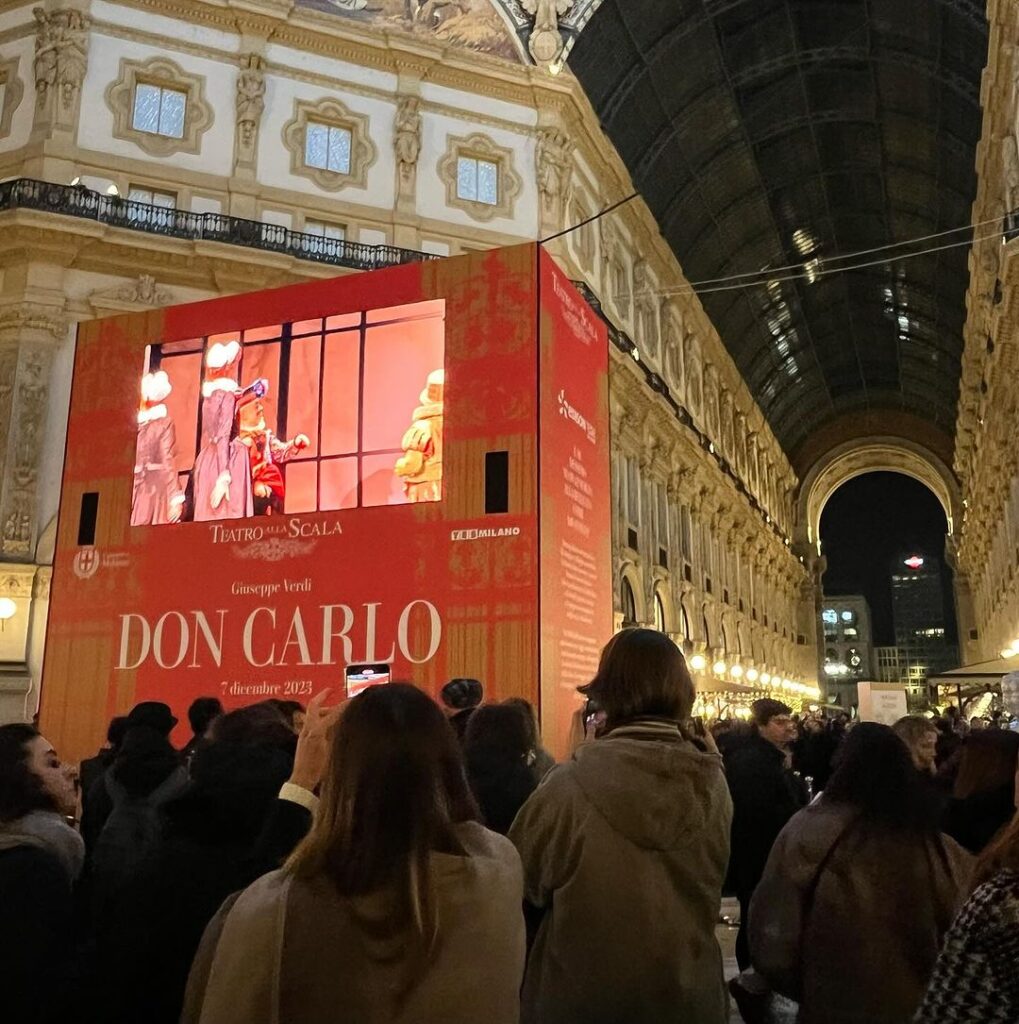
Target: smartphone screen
360	677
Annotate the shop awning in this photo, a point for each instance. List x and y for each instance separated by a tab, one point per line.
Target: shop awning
981	673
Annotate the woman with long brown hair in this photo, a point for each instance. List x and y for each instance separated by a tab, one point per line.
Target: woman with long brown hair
397	907
859	891
976	980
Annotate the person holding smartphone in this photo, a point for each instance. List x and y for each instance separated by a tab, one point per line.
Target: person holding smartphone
624	850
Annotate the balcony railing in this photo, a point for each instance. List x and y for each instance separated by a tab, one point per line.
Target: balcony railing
78	201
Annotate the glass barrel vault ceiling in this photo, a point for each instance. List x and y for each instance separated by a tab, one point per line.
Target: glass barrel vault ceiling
767	133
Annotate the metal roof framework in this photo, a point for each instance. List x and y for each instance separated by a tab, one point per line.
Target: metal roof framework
769	133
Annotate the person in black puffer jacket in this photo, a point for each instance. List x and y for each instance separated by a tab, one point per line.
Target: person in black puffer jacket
210	847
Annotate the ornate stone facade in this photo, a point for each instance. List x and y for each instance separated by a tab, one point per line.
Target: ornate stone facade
703	493
986	456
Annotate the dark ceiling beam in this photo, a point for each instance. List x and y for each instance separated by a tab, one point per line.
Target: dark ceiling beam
685	195
861	55
730	174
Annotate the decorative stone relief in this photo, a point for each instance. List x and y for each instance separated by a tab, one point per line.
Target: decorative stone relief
582	237
41	585
646	307
13	91
27	337
1010	172
546	42
408	144
250	102
61	56
143	291
554	161
711	402
672	350
16	583
726	426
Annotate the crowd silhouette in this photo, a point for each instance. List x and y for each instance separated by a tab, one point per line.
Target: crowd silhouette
394	858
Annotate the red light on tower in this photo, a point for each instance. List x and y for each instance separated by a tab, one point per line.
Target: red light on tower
914	562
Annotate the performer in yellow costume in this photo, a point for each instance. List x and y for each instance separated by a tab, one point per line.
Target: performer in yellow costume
420	466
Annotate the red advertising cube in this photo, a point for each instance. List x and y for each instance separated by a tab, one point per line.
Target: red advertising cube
395	475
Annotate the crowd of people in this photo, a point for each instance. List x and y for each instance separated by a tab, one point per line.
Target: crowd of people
395	858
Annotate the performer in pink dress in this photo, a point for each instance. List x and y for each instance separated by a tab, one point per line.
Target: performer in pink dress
221	479
157	495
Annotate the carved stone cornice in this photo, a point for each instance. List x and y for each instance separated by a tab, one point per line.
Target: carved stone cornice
20	317
141	293
16	581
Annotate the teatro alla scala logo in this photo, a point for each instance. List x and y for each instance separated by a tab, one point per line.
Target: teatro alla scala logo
86	563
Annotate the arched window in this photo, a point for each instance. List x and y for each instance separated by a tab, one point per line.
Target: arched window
725	639
629	604
659	613
684	623
707	631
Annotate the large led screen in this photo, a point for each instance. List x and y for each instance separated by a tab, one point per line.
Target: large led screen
338	412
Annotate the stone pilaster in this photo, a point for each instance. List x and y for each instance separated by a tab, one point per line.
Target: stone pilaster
28	336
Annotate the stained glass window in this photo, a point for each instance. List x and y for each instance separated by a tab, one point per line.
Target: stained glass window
158	110
477	180
327	146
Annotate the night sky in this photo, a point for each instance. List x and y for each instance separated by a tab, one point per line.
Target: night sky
869	521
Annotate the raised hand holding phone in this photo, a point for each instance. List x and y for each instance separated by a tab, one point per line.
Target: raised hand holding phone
313	743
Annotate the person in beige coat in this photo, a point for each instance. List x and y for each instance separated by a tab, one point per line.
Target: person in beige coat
859	891
624	850
398	907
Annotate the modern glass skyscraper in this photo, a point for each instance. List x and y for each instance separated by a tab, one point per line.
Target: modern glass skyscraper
918	614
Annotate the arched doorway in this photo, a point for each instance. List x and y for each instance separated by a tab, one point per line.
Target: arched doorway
887	613
873	455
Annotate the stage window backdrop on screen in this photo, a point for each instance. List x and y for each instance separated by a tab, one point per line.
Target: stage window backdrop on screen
333	413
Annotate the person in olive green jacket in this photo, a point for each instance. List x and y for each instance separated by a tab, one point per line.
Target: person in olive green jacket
624	850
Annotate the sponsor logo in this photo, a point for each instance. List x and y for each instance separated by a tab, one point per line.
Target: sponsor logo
86	563
484	534
576	312
567	410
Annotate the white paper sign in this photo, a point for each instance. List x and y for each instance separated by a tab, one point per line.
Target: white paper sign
882	702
